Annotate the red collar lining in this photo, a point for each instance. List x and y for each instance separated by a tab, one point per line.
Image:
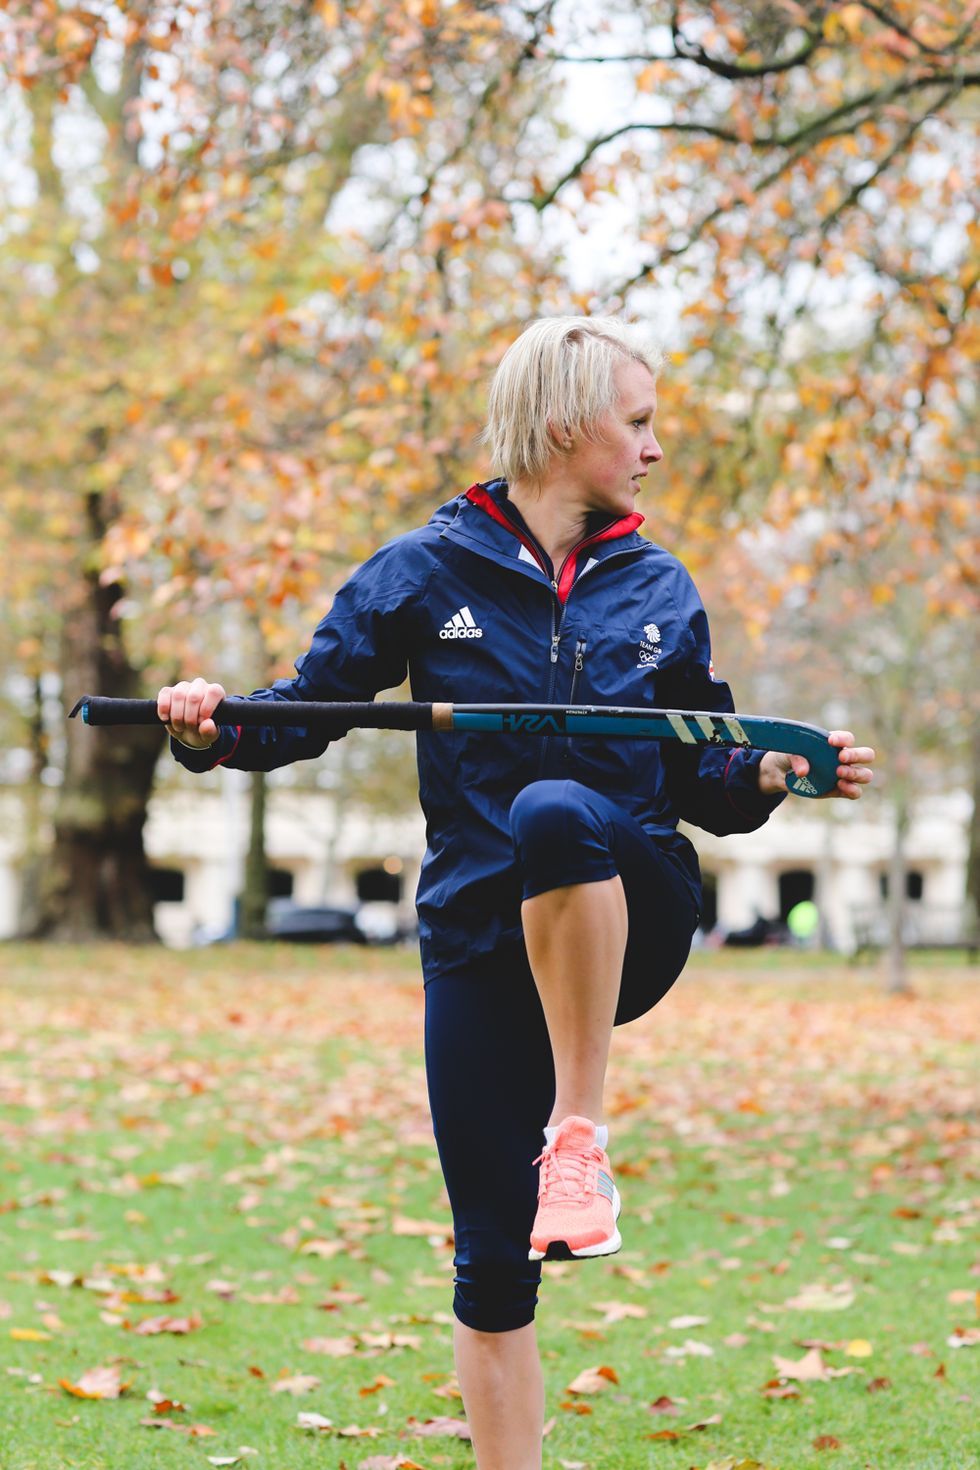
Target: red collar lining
566	576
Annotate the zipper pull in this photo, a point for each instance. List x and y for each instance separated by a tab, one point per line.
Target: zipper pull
555	640
554	586
580	648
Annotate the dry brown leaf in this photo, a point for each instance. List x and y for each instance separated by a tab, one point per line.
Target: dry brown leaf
297	1384
195	1431
593	1380
311	1420
389	1462
404	1225
809	1369
453	1428
97	1383
153	1326
820	1298
664	1405
331	1347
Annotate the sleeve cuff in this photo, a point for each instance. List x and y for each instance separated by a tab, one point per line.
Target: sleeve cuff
199	761
742	786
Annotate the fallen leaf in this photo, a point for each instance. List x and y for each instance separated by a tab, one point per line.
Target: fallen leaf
809	1369
325	1249
310	1420
331	1347
859	1348
826	1442
164	1405
402	1225
97	1383
684	1322
819	1298
195	1431
618	1311
593	1380
389	1462
877	1384
153	1326
690	1348
297	1384
383	1382
453	1428
664	1405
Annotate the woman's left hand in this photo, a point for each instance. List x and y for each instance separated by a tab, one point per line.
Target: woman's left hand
853	772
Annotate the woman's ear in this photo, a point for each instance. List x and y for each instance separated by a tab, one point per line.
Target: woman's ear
560	436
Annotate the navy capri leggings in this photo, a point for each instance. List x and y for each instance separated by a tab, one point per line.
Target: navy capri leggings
488	1059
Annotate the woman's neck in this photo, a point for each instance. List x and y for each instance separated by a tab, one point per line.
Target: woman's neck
555	523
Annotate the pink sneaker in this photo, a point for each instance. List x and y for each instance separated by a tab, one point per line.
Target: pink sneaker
578	1203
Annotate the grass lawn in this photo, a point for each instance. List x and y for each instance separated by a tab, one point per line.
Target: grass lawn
218	1184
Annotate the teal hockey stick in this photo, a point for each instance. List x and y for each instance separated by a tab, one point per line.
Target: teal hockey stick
690	727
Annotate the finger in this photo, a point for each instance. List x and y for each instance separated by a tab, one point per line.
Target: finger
860	774
855	753
840	737
215	694
163	702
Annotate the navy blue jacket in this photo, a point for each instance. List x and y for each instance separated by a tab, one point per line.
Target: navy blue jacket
470	606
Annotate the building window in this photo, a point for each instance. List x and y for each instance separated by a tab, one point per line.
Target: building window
280	883
795	886
915	882
167	885
379	885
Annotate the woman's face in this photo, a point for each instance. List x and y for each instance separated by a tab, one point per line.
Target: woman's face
607	474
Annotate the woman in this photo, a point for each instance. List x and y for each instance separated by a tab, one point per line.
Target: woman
556	898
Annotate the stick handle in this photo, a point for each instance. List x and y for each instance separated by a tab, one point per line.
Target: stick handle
304	714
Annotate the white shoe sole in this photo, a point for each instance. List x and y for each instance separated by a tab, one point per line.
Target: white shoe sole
607	1247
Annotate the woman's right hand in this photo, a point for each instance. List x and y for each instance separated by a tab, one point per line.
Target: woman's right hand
187	709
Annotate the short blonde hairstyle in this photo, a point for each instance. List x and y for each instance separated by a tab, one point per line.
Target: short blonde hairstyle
554	381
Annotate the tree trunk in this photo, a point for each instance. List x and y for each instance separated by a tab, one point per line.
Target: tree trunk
255	898
96	879
973	859
32	850
897	983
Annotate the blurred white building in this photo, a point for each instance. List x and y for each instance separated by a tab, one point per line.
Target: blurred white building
835	853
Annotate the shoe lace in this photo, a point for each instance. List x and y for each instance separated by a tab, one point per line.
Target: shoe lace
567	1174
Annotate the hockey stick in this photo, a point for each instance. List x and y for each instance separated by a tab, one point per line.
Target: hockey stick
691	727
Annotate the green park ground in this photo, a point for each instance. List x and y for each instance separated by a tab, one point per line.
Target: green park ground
218	1186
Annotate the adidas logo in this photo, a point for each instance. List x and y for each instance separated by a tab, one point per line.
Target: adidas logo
461	625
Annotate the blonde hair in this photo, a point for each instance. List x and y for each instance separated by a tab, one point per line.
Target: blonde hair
555	380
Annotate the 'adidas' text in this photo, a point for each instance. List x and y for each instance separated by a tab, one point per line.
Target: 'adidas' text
461	625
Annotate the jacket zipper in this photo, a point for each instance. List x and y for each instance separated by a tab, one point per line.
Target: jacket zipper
580	647
557	618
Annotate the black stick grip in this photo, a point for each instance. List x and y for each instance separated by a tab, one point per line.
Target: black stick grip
300	714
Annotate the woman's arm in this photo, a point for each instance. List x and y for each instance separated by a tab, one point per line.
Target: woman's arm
361	646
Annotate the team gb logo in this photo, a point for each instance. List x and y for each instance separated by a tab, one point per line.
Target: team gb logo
649	647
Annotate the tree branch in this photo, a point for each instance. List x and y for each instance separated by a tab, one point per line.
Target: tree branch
731	70
880	13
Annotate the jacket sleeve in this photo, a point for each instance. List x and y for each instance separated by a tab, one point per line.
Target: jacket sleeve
361	646
710	786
